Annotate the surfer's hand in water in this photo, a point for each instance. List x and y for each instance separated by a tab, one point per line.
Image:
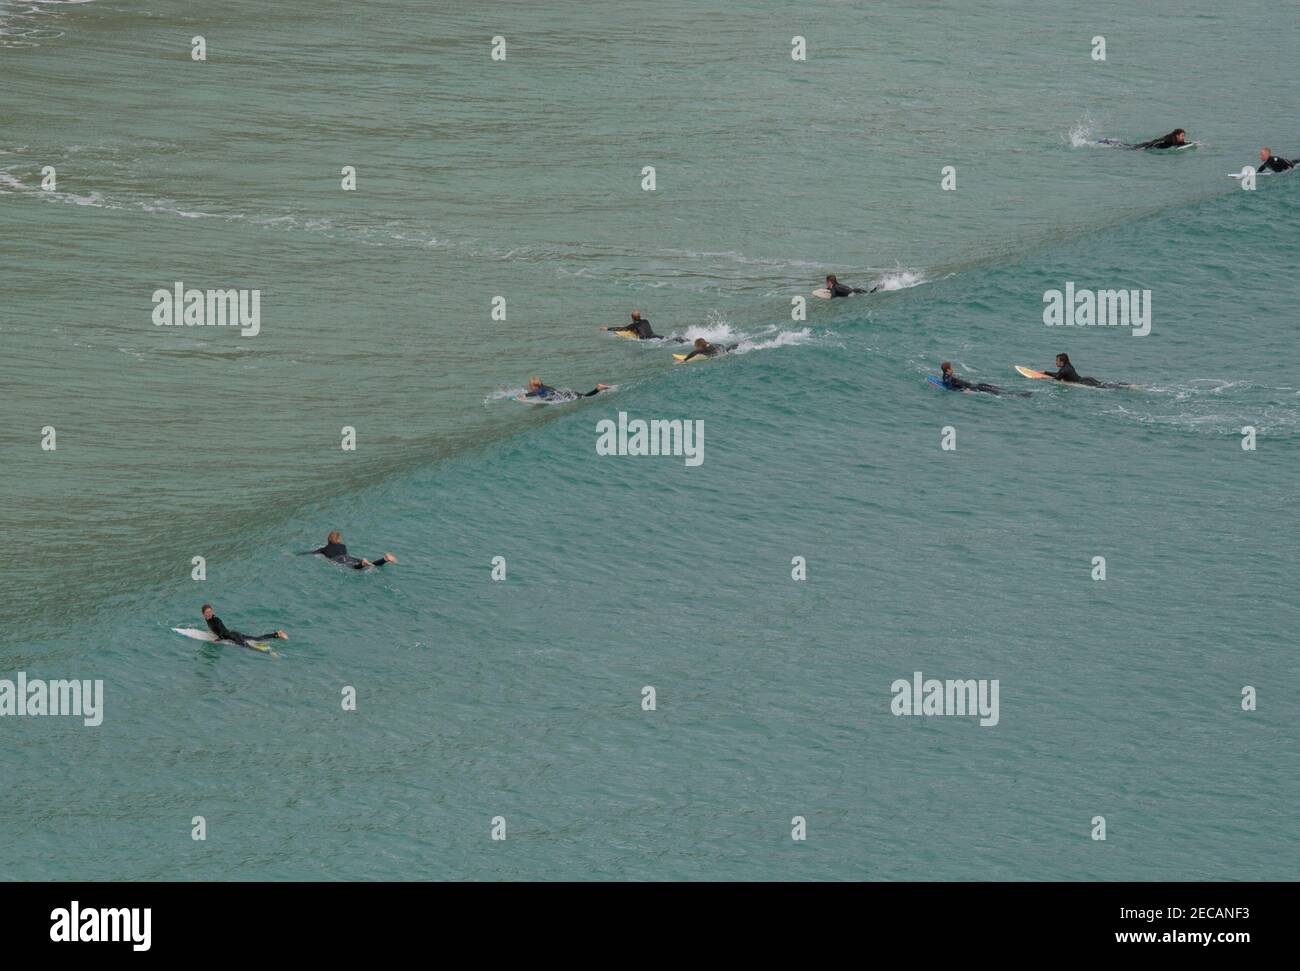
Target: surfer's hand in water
389	558
365	562
282	635
602	387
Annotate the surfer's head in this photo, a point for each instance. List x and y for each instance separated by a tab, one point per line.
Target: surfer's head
534	384
1180	136
1264	154
207	611
830	280
701	343
636	315
946	367
1062	360
334	537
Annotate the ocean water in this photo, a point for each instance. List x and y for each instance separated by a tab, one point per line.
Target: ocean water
521	698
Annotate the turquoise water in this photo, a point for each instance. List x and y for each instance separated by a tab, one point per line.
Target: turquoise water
522	698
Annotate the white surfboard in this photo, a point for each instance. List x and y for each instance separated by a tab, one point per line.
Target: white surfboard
211	638
823	293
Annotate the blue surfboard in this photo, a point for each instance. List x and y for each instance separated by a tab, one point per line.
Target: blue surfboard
936	382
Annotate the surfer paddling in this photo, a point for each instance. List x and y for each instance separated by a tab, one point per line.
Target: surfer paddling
536	389
336	552
838	289
703	348
639	326
1273	163
1175	139
226	634
1065	372
954	383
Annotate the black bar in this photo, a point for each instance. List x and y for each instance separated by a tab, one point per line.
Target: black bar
910	921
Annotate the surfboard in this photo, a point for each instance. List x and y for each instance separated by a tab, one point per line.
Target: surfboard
822	293
211	638
1030	373
630	335
937	383
1258	172
1105	385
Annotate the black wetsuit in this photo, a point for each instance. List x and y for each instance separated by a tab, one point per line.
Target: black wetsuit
1164	141
642	328
1071	376
547	393
954	383
217	627
1276	163
338	553
844	290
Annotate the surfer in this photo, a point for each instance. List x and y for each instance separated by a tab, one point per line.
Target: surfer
545	392
224	633
839	289
703	348
640	326
1065	372
336	552
954	383
1274	163
1174	139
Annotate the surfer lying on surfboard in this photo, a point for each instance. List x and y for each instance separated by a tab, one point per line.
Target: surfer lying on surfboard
838	289
639	326
336	552
545	392
1274	163
703	348
954	383
224	633
1065	372
1175	139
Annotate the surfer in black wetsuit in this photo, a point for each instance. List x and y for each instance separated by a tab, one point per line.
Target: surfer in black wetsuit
1065	372
839	289
336	552
640	325
1274	163
703	348
224	633
954	383
544	391
1174	139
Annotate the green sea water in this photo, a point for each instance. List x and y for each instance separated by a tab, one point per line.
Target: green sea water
522	698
